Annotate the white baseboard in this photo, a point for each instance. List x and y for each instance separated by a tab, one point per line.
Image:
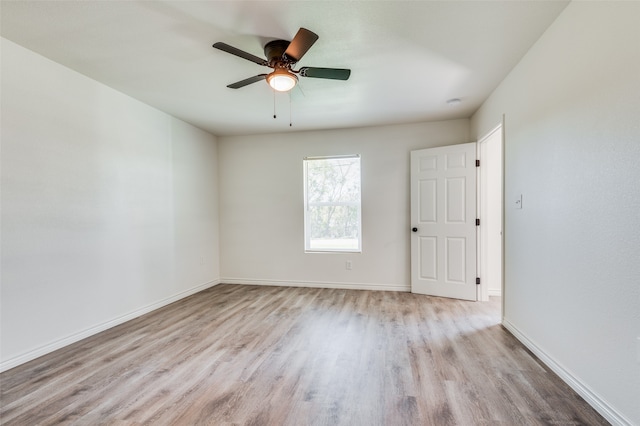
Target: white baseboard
58	344
318	284
592	398
494	292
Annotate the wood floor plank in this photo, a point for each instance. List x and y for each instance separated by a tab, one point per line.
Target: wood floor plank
252	355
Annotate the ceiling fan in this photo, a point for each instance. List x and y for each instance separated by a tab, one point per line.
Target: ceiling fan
282	56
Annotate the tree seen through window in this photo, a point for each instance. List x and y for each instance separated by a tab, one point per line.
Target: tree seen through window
332	203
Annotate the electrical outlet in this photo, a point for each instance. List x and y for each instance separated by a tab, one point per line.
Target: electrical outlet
347	265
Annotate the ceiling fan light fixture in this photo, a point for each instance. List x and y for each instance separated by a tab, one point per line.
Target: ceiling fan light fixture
282	80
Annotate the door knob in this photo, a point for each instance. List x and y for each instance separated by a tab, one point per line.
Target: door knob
414	229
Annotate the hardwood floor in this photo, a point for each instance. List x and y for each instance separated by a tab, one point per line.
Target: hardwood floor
236	355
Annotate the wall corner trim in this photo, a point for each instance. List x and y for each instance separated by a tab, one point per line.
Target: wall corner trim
592	398
76	337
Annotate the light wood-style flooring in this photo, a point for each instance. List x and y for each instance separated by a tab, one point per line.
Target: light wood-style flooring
249	355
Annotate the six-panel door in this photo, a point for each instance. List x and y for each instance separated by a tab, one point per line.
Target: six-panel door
443	221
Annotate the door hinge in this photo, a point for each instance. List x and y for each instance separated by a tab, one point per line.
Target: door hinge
477	163
478	280
477	222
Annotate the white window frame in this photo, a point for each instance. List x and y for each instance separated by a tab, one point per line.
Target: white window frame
358	204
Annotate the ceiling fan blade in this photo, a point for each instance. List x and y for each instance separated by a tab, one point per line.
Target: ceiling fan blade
241	53
302	42
331	73
247	81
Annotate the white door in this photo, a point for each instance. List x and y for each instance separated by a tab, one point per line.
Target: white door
443	221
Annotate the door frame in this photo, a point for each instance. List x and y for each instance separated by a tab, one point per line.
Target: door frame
483	290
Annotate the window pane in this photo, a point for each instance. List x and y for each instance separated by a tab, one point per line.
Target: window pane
333	227
333	180
332	204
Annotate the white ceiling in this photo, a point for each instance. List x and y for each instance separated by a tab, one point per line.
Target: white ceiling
407	57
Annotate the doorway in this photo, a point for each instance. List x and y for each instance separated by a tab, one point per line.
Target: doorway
490	209
451	256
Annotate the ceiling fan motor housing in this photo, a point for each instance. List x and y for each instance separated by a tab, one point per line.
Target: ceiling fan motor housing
274	51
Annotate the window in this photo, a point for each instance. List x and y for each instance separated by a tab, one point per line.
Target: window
332	203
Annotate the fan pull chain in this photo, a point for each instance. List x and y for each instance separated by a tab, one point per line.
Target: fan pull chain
290	125
274	104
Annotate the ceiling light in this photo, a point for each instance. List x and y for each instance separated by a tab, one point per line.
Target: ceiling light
282	80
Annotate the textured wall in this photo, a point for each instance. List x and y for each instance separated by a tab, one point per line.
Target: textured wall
109	207
572	146
262	205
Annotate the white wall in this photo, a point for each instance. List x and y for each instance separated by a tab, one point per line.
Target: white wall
262	206
572	147
109	207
